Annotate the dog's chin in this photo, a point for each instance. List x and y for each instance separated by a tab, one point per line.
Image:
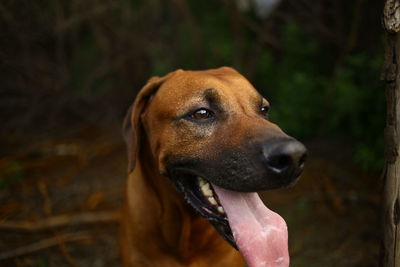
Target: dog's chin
199	193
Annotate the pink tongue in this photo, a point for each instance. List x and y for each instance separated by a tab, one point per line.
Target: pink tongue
260	233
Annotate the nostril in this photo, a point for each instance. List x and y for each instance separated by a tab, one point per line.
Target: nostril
279	162
302	160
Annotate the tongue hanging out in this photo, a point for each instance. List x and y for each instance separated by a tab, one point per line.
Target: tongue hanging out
260	234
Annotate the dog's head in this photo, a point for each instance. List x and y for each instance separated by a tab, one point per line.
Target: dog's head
209	131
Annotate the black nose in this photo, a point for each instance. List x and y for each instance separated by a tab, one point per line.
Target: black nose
284	158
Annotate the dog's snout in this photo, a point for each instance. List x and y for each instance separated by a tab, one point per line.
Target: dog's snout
284	158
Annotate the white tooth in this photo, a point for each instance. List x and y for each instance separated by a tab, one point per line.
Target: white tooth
208	193
221	209
201	181
206	186
206	190
212	200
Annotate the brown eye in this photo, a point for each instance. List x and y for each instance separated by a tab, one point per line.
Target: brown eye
202	114
264	111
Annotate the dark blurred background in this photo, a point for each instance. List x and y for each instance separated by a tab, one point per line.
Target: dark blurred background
70	68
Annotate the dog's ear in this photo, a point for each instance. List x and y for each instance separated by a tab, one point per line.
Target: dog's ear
132	126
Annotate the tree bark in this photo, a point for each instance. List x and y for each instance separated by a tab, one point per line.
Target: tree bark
391	174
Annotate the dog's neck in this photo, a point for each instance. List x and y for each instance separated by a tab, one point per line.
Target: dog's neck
153	199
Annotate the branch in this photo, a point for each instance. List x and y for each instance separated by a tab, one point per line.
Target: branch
43	244
61	220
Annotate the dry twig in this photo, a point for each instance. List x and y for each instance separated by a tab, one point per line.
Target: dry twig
61	220
43	244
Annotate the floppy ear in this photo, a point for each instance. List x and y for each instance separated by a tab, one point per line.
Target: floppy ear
132	126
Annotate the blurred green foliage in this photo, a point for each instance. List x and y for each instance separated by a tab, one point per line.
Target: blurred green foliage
295	83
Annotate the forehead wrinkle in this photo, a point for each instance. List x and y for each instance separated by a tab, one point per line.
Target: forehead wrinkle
212	97
191	89
244	90
245	101
188	88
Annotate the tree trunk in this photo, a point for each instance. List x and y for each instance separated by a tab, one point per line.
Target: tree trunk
391	174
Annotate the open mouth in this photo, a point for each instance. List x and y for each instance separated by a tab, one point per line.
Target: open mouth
199	193
241	218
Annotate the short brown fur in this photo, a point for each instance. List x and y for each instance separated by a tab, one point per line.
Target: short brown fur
159	228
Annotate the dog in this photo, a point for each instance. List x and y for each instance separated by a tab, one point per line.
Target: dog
199	146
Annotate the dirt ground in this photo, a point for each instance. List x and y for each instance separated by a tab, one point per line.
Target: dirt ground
60	198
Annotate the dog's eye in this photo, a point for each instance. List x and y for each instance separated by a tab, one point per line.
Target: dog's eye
264	111
202	114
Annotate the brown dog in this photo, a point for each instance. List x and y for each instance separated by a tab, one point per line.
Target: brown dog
203	138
